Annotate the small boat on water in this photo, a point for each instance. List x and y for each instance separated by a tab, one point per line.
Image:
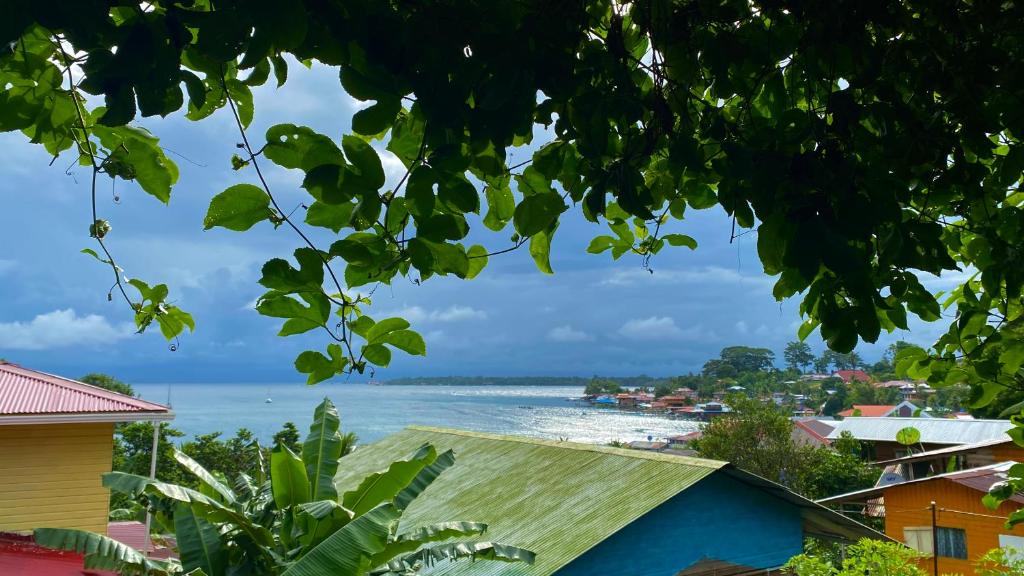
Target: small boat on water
269	400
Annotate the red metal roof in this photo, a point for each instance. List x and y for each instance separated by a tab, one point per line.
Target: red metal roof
851	375
28	392
867	410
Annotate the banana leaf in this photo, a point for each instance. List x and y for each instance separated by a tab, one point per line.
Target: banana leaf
351	549
385	486
321	452
104	553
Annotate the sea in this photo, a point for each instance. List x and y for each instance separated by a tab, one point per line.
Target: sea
373	411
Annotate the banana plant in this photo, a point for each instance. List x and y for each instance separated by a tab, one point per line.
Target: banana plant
290	519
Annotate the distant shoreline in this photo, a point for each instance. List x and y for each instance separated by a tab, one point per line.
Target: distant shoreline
551	381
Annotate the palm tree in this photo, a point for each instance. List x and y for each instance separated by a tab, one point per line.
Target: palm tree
290	519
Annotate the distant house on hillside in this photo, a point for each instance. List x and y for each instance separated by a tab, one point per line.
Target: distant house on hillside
908	390
56	441
964	528
905	409
849	376
586	509
879	434
811	432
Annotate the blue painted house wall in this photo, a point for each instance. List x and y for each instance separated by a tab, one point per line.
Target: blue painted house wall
718	518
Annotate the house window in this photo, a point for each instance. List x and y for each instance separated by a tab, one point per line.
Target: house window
1013	545
919	538
952	542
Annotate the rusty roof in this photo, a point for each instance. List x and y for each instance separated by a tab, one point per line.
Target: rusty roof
25	392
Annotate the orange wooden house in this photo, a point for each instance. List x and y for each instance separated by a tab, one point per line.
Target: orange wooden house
942	513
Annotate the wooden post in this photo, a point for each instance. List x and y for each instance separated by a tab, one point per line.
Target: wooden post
935	544
152	473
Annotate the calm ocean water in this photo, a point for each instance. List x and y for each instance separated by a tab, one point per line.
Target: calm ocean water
373	412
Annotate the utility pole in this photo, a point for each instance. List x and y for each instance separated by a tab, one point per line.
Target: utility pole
935	544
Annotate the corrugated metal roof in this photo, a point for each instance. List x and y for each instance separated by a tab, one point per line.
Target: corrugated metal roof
940	452
29	392
933	430
558	499
980	479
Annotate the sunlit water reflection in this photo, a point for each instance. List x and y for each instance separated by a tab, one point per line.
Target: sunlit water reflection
376	411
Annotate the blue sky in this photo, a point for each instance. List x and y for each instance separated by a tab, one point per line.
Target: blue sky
594	316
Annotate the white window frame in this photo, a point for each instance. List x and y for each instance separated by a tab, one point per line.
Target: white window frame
919	538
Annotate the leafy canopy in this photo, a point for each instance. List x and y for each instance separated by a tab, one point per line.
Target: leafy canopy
869	144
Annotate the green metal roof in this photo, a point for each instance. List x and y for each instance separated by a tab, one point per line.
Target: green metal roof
557	499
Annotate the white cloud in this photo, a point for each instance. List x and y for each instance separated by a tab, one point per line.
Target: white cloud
741	327
61	328
653	328
568	334
418	314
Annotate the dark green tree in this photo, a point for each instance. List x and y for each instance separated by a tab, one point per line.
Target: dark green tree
109	383
289	436
798	355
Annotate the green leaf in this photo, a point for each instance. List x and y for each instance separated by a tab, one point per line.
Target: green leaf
908	436
199	543
350	549
238	208
413	539
424	479
378	354
288	479
365	159
384	327
458	195
138	149
501	206
680	240
377	118
320	367
101	552
419	191
331	216
205	477
540	249
321	451
537	212
477	256
291	146
383	487
407	341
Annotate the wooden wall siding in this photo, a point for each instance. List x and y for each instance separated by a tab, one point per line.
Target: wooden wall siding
1007	452
50	476
909	506
720	518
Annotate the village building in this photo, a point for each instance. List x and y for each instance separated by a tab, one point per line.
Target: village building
878	435
686	393
946	510
811	432
908	390
851	376
904	409
56	441
952	459
586	509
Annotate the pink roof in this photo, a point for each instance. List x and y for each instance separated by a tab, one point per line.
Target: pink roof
28	392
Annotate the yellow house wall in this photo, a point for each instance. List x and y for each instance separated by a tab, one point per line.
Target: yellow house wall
910	505
50	476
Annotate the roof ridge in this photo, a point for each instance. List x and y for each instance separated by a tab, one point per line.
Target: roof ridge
579	446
